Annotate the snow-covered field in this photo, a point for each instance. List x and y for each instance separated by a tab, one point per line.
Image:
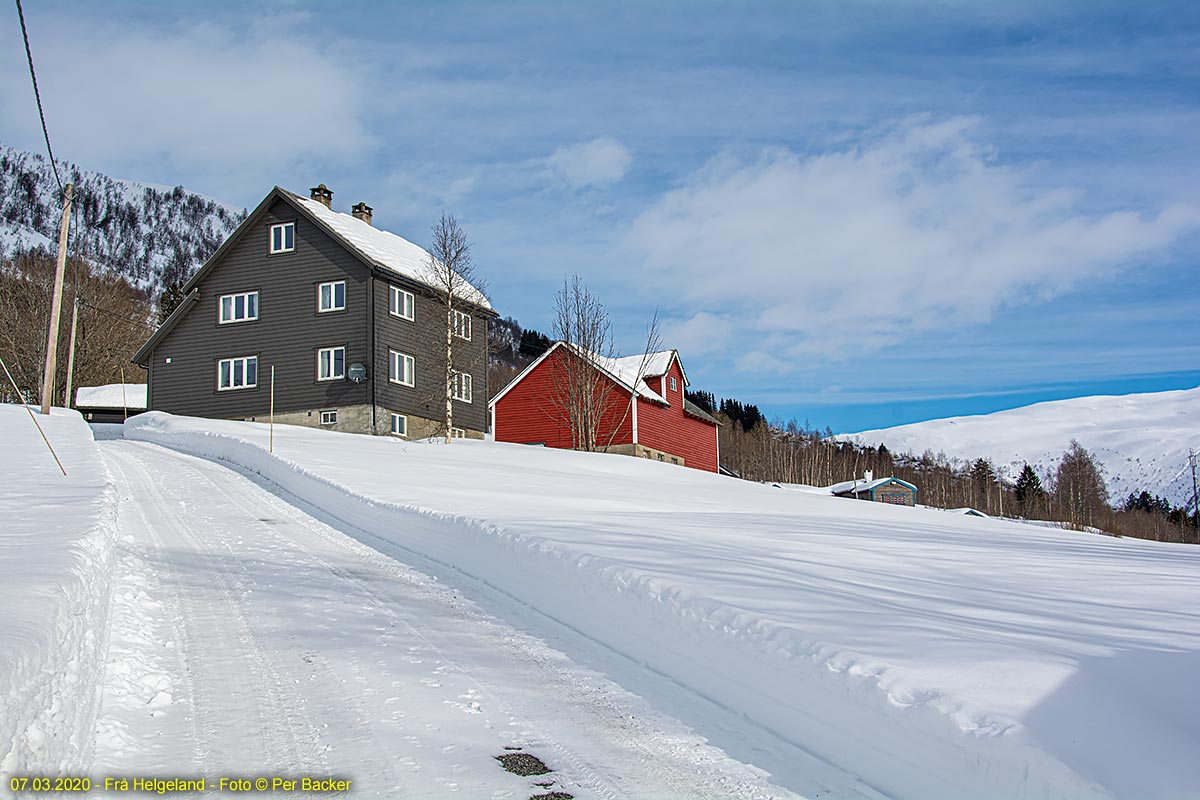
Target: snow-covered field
1142	440
56	552
848	648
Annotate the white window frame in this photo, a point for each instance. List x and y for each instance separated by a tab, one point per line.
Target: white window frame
395	357
458	433
404	424
461	381
232	298
398	300
674	385
329	417
462	323
332	297
283	228
245	361
332	362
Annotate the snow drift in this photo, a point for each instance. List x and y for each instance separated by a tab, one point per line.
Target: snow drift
918	654
56	545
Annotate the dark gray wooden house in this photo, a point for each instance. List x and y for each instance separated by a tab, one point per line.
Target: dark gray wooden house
347	314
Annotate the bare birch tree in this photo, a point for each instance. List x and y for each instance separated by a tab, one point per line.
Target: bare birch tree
583	396
453	272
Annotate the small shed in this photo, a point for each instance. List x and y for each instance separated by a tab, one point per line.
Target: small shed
878	490
113	402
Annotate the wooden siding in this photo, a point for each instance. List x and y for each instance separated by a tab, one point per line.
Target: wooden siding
290	331
424	338
287	334
527	413
671	430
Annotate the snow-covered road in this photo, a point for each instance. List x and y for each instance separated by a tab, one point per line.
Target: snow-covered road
250	639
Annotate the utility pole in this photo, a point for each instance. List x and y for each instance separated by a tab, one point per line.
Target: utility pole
70	403
1195	505
56	302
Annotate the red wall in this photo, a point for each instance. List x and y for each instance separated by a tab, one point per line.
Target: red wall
527	414
672	431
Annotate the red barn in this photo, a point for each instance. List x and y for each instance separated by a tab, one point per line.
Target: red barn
659	424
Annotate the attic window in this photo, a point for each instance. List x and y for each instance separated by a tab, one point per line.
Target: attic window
674	384
283	237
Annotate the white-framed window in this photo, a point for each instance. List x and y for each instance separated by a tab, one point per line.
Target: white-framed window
237	373
331	296
240	307
399	425
458	433
674	385
331	363
462	386
329	417
402	304
283	237
401	368
462	325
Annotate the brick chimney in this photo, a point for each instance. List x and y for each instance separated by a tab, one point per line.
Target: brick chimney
361	211
321	194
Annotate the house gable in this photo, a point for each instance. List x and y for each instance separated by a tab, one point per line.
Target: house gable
289	330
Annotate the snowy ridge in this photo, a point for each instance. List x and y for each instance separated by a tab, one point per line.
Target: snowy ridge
56	557
152	234
957	706
1141	440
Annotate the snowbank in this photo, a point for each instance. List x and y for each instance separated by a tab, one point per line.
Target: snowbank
925	654
56	545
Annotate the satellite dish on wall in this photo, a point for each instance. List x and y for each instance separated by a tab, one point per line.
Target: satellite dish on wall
357	373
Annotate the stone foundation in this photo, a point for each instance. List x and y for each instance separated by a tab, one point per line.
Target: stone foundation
357	419
641	451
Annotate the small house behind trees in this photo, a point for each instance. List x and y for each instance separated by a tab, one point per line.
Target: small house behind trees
878	490
634	406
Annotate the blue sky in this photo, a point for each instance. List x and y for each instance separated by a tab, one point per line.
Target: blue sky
860	214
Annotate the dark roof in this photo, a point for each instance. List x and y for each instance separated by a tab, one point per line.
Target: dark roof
699	413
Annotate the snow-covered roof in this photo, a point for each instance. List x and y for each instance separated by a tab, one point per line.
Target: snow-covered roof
382	248
848	487
625	370
110	396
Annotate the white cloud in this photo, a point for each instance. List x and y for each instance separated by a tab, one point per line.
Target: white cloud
845	252
600	162
199	95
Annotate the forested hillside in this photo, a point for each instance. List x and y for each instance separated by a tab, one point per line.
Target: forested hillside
154	236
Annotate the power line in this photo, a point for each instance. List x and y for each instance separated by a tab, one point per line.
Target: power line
38	95
105	311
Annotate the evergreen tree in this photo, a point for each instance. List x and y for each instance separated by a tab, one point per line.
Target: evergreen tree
982	477
1029	492
169	299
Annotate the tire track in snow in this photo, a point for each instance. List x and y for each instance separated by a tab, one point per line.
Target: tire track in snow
251	498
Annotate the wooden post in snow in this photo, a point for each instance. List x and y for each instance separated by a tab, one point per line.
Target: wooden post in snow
124	403
271	424
71	353
56	302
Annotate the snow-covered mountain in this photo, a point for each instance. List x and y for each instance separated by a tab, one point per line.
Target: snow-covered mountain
1141	440
154	234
